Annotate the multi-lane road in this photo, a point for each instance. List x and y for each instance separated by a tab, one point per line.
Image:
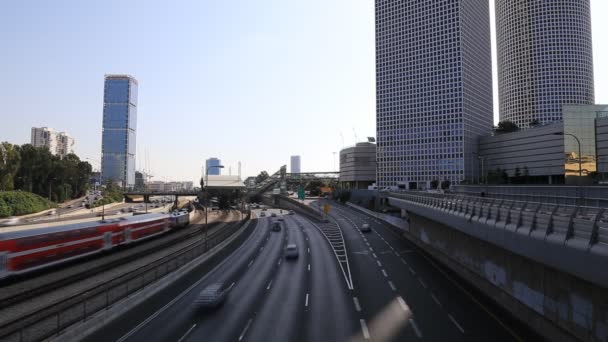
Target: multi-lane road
385	291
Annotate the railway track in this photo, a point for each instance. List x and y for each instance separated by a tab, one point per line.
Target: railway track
40	284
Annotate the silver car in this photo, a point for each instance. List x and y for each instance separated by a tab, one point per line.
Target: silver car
365	228
11	221
291	251
211	297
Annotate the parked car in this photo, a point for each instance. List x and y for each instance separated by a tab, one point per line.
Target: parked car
212	297
365	228
291	251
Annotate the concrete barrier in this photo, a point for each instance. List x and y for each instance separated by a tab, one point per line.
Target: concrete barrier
536	261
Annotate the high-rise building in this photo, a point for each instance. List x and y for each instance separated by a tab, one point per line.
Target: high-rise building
59	143
119	128
433	89
295	164
544	58
210	164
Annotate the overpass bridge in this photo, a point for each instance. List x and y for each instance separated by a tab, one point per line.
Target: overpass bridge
546	263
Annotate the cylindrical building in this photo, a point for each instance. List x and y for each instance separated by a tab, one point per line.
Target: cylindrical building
544	58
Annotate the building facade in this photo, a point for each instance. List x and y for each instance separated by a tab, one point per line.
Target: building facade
433	90
58	143
295	164
358	166
119	130
549	154
544	58
210	164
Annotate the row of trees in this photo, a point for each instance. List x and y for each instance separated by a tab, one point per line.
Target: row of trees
37	170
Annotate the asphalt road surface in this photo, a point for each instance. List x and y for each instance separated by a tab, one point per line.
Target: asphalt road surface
397	293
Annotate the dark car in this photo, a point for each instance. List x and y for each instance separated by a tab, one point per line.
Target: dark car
276	227
291	251
211	297
365	228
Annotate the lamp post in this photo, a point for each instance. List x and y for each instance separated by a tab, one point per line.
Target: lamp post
207	197
580	169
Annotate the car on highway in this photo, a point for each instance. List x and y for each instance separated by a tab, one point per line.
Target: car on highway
211	297
273	215
9	221
51	213
280	219
291	212
365	228
291	251
264	209
131	209
70	206
262	214
276	227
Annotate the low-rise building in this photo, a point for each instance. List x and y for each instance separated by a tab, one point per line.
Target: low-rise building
358	166
572	151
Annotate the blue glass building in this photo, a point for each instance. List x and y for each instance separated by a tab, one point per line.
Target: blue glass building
433	90
119	128
210	165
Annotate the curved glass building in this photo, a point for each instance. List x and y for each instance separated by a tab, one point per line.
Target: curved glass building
544	58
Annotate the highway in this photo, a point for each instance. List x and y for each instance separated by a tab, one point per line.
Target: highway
397	293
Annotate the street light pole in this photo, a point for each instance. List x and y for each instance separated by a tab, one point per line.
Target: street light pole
580	168
207	197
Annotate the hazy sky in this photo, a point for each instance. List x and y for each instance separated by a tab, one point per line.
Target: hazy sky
242	80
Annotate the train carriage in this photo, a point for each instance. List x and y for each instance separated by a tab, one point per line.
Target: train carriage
23	250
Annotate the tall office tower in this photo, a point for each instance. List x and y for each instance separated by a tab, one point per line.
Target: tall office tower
295	164
58	143
210	164
119	128
544	58
433	90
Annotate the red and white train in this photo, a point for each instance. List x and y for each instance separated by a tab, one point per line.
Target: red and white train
25	250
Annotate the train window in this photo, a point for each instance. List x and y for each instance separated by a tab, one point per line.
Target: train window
3	262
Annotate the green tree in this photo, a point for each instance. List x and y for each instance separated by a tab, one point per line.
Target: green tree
10	160
506	126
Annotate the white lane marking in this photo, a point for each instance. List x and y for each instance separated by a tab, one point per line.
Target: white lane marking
412	271
364	329
403	304
371	249
269	284
245	330
379	263
261	248
357	306
278	263
249	264
306	302
309	250
374	254
397	254
435	299
390	283
415	326
187	332
384	273
422	283
456	323
308	267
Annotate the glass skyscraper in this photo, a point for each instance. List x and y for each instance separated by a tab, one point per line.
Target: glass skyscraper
119	128
433	90
210	165
544	58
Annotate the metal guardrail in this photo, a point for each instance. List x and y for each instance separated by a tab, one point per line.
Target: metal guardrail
57	317
586	226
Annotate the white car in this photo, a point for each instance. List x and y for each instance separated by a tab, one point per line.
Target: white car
291	251
10	221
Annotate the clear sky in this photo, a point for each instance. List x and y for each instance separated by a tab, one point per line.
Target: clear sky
242	80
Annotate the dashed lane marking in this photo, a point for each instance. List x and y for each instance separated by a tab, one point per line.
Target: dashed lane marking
384	273
245	330
269	285
422	283
357	306
390	283
435	299
364	329
456	323
187	332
